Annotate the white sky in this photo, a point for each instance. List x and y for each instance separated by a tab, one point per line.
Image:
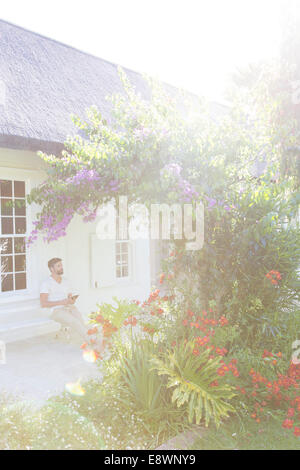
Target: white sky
194	44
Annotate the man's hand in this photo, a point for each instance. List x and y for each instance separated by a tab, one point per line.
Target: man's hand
72	300
67	301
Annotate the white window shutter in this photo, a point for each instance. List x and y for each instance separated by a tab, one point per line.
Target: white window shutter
103	262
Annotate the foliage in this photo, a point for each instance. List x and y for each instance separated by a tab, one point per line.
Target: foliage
193	378
243	433
53	426
141	386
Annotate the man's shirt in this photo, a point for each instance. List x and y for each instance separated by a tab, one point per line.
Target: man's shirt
56	291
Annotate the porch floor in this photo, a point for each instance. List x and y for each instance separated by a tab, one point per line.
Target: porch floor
40	367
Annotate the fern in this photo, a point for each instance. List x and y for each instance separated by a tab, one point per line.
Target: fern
191	376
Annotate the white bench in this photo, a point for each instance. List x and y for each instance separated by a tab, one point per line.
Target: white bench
21	330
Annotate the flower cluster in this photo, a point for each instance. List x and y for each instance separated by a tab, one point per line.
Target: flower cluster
211	203
188	193
231	367
282	393
273	276
130	321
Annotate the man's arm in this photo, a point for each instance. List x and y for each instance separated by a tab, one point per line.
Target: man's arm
45	303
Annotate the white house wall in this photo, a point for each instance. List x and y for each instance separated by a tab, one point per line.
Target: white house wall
74	249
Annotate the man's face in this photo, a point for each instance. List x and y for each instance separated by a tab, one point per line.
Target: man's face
58	268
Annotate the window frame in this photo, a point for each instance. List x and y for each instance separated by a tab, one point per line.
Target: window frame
16	174
120	241
129	263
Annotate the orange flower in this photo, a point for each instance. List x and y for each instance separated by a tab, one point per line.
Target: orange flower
93	331
288	423
297	431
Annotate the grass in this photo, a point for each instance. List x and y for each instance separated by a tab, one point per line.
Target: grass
53	426
97	420
246	434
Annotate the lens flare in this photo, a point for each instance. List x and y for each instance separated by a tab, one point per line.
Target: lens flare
75	389
90	355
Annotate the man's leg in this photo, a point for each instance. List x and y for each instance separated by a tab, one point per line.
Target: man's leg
66	317
78	316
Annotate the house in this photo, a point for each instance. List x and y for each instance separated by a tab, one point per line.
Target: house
41	83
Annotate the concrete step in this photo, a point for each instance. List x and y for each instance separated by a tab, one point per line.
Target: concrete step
13	303
20	315
17	331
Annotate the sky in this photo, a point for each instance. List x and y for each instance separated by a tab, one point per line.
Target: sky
193	44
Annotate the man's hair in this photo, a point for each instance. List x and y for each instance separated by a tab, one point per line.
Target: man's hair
52	262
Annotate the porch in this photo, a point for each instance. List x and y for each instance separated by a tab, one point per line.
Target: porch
40	367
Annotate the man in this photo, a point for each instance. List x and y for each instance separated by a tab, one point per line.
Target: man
55	293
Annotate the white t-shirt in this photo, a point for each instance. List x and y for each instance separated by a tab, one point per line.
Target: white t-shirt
56	290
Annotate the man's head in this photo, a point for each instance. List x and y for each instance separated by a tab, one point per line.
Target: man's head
55	266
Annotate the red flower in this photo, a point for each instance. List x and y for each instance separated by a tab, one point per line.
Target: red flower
290	412
288	423
92	331
214	384
297	431
130	321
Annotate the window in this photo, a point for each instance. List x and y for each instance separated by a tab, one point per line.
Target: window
122	259
122	255
12	235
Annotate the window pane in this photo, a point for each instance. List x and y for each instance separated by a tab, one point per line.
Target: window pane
7	225
19	244
6	264
20	208
118	259
6	207
7	283
19	188
20	225
5	246
20	263
124	271
125	258
20	281
118	271
118	247
124	247
5	188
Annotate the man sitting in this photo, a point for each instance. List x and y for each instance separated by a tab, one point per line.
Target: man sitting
56	293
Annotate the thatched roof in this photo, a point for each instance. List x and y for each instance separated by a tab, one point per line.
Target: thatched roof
42	82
